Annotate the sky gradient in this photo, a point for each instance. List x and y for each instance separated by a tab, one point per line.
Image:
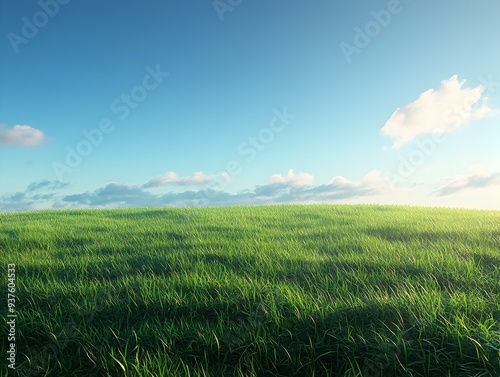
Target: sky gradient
180	103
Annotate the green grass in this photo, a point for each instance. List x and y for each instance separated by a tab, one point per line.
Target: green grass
255	291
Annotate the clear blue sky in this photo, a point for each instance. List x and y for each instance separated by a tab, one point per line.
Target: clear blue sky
128	103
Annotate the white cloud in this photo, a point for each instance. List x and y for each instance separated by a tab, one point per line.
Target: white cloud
338	189
374	183
172	178
292	179
21	136
435	111
478	178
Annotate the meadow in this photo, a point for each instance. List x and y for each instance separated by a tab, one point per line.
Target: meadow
289	290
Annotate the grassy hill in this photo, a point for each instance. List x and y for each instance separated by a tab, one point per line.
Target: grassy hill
254	291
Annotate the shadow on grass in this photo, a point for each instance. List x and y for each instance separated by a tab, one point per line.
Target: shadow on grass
487	262
13	233
72	242
171	215
106	270
377	339
396	235
483	238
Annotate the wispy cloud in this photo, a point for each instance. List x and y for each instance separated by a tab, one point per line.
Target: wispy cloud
172	178
21	136
36	194
475	180
45	184
441	110
115	194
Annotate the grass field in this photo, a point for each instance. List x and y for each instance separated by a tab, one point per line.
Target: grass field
254	291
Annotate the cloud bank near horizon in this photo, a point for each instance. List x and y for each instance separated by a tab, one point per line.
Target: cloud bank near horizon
292	188
477	179
280	189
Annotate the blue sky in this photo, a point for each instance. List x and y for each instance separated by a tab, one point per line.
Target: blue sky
179	103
